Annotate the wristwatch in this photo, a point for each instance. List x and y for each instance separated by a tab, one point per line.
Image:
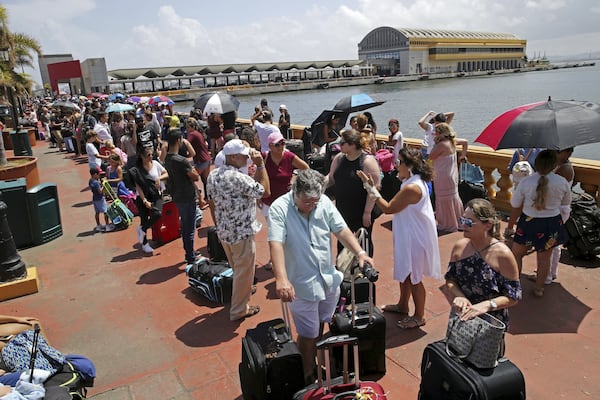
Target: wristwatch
493	304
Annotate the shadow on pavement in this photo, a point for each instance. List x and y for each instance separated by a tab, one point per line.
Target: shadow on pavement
82	204
200	331
160	275
565	258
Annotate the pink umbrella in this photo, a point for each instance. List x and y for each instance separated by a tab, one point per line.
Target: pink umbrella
160	99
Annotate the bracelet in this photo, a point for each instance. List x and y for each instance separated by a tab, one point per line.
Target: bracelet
360	253
260	167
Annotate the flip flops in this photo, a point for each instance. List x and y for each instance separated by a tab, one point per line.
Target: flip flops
395	308
411	323
252	310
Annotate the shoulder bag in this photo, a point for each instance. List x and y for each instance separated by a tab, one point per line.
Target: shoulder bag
478	341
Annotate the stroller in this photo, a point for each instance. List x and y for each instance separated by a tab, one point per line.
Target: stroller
118	212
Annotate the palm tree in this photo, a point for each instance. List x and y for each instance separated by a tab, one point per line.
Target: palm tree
19	49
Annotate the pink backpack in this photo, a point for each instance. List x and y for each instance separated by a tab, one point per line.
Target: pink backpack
385	158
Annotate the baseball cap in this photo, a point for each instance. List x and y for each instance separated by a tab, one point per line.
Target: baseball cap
275	137
235	146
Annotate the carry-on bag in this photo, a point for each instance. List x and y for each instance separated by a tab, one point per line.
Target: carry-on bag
365	322
212	280
339	388
214	246
271	366
120	215
167	229
444	377
295	146
346	262
470	184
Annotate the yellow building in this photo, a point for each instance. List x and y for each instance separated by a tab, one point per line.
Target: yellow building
423	51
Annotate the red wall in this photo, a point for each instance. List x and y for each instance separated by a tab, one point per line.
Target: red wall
63	70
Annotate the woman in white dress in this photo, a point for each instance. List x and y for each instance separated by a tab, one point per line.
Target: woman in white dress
416	250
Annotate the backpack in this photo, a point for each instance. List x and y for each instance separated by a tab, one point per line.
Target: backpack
16	355
385	158
67	383
583	227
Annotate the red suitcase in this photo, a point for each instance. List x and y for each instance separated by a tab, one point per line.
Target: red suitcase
166	229
339	388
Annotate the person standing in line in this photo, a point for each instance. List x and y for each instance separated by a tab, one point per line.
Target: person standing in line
148	175
102	128
300	226
264	129
195	135
565	169
99	201
427	123
264	106
233	195
537	203
448	205
396	139
181	184
284	121
416	248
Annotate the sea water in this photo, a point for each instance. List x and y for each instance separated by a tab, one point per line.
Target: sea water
476	101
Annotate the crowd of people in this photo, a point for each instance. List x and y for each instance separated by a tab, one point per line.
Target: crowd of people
204	161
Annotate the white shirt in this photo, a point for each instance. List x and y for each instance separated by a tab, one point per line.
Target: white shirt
558	194
263	131
429	137
399	138
103	131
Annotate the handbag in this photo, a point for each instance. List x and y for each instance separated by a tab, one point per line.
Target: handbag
470	186
346	258
478	341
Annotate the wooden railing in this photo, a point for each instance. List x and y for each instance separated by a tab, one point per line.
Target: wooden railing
497	178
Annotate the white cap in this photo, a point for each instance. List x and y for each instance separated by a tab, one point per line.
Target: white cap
521	170
283	107
235	146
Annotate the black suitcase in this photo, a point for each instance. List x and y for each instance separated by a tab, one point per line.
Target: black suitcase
362	286
445	378
214	246
367	323
318	162
271	366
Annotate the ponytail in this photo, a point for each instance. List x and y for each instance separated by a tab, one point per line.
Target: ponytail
540	198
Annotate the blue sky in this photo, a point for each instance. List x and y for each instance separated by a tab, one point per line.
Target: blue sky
151	33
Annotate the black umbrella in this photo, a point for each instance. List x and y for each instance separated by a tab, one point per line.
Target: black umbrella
216	103
548	124
356	102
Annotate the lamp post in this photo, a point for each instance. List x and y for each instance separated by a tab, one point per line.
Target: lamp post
4	56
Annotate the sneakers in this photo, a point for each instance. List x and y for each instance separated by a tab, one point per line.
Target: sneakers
99	228
110	228
140	234
147	249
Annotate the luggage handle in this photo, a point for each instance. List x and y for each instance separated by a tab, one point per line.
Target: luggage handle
34	348
285	310
324	349
364	243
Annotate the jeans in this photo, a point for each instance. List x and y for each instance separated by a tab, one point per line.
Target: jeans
187	217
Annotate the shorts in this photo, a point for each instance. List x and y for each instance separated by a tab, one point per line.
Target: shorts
308	315
540	233
202	165
100	205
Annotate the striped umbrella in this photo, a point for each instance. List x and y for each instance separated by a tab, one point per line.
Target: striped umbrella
157	100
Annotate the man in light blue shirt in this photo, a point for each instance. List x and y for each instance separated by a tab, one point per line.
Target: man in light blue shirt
300	227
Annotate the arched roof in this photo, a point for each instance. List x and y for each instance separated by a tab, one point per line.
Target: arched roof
133	73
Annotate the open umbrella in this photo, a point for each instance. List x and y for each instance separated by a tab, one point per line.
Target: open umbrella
116	96
216	103
134	99
547	124
157	100
66	105
356	102
119	107
97	95
327	115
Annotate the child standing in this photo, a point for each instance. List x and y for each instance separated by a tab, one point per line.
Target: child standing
99	201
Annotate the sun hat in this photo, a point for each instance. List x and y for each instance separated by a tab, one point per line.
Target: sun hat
235	146
275	137
283	107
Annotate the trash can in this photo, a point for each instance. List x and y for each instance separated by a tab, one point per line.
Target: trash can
14	194
20	142
44	213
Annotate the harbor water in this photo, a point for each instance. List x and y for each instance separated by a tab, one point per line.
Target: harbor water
476	101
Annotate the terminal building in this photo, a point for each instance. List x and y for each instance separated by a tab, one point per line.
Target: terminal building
401	51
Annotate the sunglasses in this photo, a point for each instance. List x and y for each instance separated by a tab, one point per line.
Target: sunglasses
279	144
468	222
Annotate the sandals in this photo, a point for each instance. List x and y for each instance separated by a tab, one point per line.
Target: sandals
411	323
538	292
394	308
252	310
253	289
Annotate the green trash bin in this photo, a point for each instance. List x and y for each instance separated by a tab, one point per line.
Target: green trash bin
20	141
44	213
14	194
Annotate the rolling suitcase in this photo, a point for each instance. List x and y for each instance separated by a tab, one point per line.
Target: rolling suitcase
118	212
367	323
214	246
166	229
340	388
271	366
212	280
444	378
362	285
